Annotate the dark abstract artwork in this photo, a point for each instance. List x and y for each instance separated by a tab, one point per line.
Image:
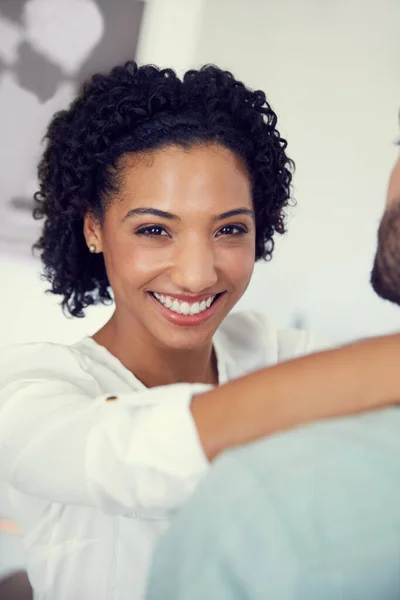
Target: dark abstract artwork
47	48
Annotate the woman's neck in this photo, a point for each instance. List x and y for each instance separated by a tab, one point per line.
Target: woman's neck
156	366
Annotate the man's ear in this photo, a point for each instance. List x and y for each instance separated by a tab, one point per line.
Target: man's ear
393	193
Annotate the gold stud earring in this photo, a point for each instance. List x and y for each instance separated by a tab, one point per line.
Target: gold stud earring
92	248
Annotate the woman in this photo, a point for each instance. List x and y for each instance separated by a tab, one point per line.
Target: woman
165	192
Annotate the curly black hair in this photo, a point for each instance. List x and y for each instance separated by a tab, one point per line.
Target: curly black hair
136	109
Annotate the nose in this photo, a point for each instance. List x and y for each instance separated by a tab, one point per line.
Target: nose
194	269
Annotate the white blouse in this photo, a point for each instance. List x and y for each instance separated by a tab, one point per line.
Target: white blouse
94	483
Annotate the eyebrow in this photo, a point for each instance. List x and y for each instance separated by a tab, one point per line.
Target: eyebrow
155	212
234	213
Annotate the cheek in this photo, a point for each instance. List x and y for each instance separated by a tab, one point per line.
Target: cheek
143	265
393	194
131	264
244	270
238	265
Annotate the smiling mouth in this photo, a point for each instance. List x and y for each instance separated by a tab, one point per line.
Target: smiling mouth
183	307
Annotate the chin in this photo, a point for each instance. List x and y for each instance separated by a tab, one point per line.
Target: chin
188	339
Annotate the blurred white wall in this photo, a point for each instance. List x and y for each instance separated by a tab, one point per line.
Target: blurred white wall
29	314
171	32
331	71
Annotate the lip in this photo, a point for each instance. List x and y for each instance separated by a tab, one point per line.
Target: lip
187	320
186	297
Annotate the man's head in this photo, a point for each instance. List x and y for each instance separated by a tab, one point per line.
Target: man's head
385	276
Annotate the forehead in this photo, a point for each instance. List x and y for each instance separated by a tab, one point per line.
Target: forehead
179	178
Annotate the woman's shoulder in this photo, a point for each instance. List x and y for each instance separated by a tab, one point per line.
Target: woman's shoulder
84	365
42	360
254	335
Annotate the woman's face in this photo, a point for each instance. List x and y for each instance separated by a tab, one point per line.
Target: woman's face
178	243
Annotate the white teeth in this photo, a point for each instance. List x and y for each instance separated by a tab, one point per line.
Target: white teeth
195	308
184	308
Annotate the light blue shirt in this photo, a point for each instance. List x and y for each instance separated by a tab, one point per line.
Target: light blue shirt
312	514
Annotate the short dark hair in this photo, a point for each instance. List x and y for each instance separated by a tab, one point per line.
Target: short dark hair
136	109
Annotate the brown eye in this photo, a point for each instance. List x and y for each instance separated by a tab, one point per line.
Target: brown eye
152	231
232	230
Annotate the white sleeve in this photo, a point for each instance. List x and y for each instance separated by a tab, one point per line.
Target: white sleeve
289	342
307	343
62	443
294	343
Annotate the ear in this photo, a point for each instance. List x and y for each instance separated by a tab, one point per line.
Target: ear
92	232
393	193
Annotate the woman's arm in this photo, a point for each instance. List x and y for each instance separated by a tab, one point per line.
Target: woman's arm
355	378
62	440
